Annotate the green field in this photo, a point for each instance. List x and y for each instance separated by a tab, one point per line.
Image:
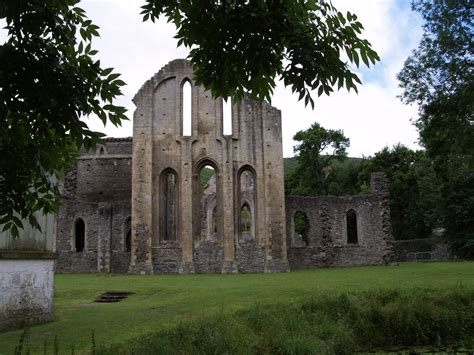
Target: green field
164	300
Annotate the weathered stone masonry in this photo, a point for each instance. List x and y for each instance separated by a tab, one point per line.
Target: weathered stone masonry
159	147
327	237
98	191
177	228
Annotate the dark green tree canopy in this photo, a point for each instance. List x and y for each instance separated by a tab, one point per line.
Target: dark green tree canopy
438	76
443	62
309	177
240	46
48	81
414	190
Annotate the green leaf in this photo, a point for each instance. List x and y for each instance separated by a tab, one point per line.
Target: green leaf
106	71
113	76
364	58
320	90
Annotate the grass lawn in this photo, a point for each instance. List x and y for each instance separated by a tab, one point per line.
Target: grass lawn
163	300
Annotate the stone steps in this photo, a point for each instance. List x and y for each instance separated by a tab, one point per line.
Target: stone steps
112	296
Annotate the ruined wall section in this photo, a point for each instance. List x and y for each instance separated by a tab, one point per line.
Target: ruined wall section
257	145
160	146
97	190
327	236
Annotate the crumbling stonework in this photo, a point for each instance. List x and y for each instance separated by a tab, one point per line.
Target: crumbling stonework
137	205
327	239
159	147
98	191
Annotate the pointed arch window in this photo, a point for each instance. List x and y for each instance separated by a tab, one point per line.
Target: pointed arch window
187	104
247	200
208	210
351	220
79	235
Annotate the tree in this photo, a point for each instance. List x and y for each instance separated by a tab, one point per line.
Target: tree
309	176
48	81
343	178
239	46
414	190
438	76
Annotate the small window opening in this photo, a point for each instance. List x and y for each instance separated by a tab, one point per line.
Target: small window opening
227	116
214	220
128	235
187	108
79	235
301	228
351	219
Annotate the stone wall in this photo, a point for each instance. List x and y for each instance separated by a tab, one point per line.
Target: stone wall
98	191
104	215
153	184
160	147
327	235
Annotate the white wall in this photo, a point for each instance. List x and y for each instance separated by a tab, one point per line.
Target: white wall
26	292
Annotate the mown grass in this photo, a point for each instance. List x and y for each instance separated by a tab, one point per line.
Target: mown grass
161	302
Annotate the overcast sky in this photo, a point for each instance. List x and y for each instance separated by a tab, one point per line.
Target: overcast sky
372	119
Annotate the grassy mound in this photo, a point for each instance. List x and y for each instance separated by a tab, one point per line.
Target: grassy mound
329	324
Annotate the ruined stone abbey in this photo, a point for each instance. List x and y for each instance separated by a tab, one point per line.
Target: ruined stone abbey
172	200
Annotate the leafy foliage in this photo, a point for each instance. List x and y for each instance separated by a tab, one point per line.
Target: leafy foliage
442	63
48	81
238	46
301	226
309	177
439	77
414	190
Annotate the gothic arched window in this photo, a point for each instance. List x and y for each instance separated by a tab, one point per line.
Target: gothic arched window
187	104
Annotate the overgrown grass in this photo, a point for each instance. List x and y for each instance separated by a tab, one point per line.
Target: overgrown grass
328	324
161	302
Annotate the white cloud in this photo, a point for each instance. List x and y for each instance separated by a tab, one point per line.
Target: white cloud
376	117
